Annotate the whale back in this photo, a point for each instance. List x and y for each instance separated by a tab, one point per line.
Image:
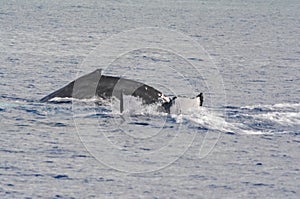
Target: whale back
81	88
95	84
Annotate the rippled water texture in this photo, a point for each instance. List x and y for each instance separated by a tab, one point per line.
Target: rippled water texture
243	143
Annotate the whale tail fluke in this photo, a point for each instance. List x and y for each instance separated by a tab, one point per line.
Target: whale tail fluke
200	98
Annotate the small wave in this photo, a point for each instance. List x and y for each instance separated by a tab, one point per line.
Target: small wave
280	106
255	132
266	119
208	118
289	118
70	99
12	101
251	120
285	114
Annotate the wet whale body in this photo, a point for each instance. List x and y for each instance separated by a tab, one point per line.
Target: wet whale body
95	84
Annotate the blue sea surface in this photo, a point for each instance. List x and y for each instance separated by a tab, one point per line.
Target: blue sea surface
243	143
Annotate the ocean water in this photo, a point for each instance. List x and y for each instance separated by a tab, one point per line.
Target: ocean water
243	143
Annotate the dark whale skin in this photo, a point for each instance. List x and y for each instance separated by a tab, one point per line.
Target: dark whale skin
95	84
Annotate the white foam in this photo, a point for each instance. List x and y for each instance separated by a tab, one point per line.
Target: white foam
209	118
253	132
67	99
131	105
283	118
275	106
184	108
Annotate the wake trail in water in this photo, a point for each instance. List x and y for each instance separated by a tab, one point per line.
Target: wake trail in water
255	119
259	119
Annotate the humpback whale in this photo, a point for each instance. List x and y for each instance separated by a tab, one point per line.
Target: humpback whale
95	84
